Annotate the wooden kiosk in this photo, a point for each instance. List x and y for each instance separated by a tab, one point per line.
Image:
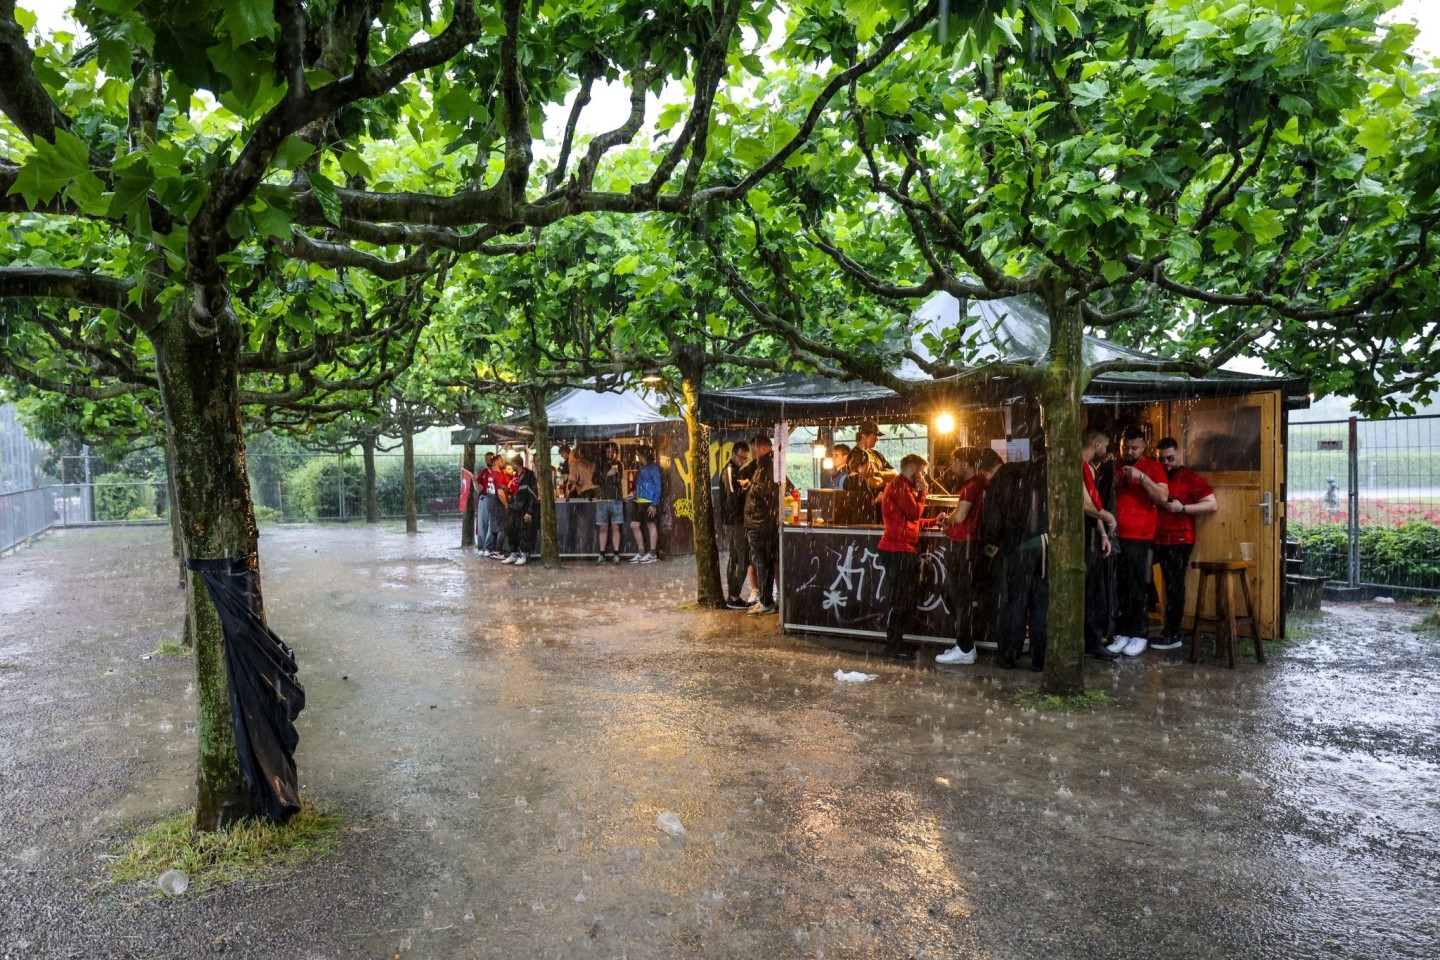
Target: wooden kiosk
1231	427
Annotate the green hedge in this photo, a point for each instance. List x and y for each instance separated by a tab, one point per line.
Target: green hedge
1403	556
119	496
312	491
433	478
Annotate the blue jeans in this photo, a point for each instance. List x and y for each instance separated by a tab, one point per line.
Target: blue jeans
491	525
609	511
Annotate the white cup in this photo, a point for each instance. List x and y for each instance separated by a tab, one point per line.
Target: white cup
1247	552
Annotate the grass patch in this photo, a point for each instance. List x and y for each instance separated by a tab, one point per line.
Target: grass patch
1056	703
245	851
7	665
172	648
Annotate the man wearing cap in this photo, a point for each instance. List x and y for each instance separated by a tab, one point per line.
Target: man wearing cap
865	439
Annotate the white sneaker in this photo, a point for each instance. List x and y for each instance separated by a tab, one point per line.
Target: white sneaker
509	559
956	655
521	559
1119	644
1136	646
637	558
650	558
755	607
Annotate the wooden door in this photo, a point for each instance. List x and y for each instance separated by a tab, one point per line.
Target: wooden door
1235	443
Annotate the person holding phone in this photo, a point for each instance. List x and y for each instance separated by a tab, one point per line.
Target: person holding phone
1140	487
1190	496
901	507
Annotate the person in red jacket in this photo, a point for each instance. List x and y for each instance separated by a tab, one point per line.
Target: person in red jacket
1140	487
901	509
1190	496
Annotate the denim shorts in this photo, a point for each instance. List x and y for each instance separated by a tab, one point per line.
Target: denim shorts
608	511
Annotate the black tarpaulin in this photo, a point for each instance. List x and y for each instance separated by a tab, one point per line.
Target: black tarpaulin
265	697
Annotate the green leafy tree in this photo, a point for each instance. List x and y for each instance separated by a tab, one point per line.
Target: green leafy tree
154	164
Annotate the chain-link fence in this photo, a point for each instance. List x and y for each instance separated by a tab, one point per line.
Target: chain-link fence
1363	503
302	487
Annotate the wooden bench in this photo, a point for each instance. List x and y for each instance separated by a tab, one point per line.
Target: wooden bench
437	506
1225	624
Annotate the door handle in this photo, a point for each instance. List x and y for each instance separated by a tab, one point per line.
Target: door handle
1267	507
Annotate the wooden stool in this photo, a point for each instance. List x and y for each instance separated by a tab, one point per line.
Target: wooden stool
1226	623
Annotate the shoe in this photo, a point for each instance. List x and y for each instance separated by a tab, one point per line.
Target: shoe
770	610
601	559
650	558
1005	663
1101	653
614	558
638	558
735	603
1169	643
1118	645
1136	646
521	560
899	653
509	559
496	555
760	610
956	655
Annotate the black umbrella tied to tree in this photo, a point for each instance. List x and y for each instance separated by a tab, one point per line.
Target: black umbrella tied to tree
265	697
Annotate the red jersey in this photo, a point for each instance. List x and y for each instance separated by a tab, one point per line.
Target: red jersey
1175	529
1091	489
972	493
901	508
1135	512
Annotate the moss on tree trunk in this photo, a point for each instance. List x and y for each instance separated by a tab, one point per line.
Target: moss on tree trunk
1060	410
708	590
199	385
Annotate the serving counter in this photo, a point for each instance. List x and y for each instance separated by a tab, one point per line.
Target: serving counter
833	581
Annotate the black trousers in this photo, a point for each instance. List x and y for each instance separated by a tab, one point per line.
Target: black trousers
1133	573
1099	590
1024	602
902	570
520	533
1174	561
738	548
764	545
962	572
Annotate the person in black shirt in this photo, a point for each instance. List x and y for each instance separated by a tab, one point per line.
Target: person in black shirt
731	515
762	524
609	511
524	515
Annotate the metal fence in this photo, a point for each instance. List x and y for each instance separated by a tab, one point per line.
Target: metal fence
24	515
1363	500
303	487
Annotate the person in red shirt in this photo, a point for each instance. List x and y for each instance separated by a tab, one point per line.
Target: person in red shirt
901	508
1190	496
1140	488
973	469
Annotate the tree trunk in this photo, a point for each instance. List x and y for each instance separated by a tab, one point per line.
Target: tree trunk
545	474
199	385
407	443
467	516
1060	393
372	502
177	541
708	590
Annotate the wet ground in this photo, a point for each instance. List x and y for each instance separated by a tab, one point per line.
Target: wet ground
501	741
